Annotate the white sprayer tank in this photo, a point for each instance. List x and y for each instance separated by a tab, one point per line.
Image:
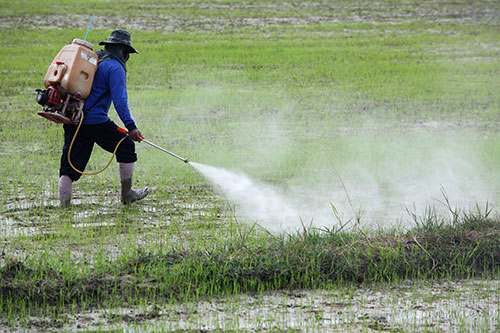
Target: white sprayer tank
73	68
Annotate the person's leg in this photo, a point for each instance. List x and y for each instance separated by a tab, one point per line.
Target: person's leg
128	194
64	187
125	156
80	155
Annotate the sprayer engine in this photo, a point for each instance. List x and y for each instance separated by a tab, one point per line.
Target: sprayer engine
51	98
58	106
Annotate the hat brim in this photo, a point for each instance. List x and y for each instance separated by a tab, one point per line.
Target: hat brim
130	48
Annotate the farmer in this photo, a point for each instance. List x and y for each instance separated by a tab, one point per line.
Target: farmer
109	86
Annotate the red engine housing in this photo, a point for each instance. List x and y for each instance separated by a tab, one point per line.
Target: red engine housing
54	96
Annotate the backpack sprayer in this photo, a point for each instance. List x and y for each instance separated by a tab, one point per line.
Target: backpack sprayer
68	83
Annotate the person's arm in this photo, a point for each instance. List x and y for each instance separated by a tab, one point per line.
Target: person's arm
118	88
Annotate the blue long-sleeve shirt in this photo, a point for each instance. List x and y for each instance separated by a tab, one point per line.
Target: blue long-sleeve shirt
110	81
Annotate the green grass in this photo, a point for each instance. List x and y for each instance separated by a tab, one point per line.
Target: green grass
398	101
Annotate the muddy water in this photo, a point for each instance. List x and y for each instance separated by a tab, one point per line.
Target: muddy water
465	306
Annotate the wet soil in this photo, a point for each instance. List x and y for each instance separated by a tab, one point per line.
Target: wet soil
95	212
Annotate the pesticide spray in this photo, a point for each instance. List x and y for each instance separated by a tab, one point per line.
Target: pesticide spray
260	203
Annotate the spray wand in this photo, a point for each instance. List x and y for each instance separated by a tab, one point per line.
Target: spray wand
156	146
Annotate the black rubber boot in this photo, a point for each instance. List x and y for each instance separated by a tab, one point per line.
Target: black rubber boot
129	195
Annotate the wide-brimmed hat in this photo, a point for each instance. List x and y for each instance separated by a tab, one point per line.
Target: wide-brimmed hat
120	37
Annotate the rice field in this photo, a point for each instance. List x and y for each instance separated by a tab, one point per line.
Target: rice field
377	123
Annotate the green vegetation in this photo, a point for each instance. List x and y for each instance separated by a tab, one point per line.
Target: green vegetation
250	262
396	101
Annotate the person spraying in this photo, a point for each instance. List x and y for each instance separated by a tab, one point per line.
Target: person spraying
109	85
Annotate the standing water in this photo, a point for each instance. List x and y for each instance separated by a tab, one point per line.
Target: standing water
257	202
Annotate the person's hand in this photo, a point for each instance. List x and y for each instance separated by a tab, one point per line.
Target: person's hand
135	135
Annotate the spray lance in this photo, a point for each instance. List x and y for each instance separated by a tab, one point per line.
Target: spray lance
156	146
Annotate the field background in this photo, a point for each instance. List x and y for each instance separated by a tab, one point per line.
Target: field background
376	108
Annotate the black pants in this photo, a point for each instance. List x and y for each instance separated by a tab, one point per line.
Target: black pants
105	135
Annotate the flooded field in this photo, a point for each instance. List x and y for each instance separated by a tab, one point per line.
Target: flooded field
344	177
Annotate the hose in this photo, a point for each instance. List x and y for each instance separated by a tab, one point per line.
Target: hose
71	147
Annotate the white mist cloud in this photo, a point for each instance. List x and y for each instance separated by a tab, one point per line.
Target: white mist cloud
391	172
387	168
384	176
257	202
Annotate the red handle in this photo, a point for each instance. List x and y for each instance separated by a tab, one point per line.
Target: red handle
124	131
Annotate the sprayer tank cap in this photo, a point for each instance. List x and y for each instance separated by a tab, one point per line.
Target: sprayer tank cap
83	43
